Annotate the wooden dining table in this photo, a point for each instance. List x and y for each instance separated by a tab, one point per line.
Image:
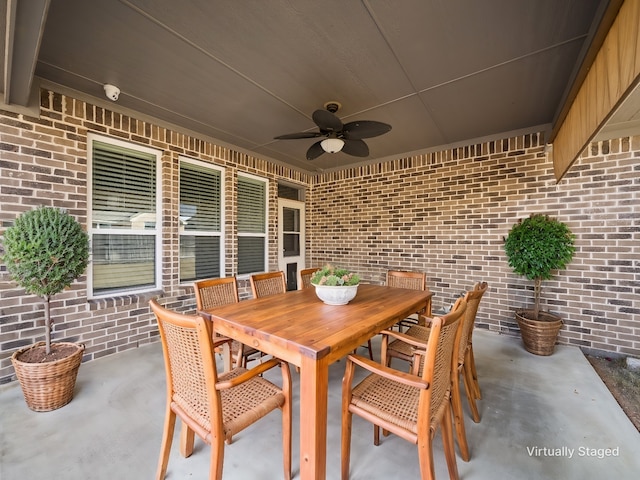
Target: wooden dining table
299	328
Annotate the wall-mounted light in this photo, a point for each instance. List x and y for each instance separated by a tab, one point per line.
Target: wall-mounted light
332	145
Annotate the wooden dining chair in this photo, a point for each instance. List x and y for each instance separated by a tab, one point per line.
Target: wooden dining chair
403	347
410	406
413	281
215	292
305	277
215	407
265	284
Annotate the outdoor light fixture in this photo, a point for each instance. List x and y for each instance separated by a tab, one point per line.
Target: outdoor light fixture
332	145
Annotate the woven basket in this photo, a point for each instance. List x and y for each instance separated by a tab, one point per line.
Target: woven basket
539	336
49	385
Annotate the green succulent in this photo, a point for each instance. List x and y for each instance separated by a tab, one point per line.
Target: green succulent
334	277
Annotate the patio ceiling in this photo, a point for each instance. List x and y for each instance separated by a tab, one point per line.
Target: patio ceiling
242	72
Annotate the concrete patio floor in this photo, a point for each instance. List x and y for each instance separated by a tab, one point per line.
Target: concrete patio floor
542	418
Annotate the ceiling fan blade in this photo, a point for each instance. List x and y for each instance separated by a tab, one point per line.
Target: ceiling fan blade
294	136
357	148
364	129
315	151
327	121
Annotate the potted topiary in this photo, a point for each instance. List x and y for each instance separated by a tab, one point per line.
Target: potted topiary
536	247
45	250
335	286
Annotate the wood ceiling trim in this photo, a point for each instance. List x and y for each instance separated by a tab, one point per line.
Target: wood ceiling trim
613	75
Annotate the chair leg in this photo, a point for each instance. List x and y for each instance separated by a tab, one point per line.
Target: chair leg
345	450
472	365
458	420
470	391
345	447
217	459
447	442
425	458
286	420
370	349
187	437
165	449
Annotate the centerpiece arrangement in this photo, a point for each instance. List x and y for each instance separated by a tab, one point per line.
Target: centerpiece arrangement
334	285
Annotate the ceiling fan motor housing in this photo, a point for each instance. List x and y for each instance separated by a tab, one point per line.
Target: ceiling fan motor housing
332	106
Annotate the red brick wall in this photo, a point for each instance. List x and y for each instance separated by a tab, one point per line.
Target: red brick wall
445	213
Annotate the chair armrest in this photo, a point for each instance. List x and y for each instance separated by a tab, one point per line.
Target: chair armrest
219	341
254	372
403	337
388	372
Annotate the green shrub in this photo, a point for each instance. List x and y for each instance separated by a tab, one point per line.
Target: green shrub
45	250
536	246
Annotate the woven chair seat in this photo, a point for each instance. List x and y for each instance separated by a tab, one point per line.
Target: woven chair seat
248	402
389	400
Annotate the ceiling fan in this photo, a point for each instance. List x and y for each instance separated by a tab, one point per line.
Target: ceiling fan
345	137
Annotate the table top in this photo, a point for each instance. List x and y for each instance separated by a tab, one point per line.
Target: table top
298	323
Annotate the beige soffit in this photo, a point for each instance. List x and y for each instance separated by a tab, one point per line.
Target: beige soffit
610	80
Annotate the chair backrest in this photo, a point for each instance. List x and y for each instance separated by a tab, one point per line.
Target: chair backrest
305	277
440	360
473	298
190	368
410	280
265	284
215	292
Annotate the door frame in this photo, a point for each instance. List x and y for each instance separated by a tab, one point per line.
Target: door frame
298	259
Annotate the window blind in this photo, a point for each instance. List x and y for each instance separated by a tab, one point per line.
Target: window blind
200	222
123	187
252	221
123	219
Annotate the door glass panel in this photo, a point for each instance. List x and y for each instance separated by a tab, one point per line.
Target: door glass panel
291	245
291	231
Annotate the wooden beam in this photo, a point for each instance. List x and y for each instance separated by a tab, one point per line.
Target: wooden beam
614	74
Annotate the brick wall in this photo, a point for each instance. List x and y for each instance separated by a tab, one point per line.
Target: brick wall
445	213
43	161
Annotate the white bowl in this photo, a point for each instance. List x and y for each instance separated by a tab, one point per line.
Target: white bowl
336	295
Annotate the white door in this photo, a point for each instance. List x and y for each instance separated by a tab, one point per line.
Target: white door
291	240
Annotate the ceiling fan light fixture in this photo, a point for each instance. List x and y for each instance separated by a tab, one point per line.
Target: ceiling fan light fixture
332	145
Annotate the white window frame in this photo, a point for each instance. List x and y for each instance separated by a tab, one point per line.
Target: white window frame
264	235
221	234
158	231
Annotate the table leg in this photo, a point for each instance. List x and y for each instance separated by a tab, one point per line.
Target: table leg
314	383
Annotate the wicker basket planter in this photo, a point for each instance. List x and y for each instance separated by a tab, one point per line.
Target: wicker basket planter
47	386
539	336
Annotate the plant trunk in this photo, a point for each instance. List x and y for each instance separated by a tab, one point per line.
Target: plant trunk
47	324
537	287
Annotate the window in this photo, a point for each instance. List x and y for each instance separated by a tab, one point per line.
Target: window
124	222
252	224
200	221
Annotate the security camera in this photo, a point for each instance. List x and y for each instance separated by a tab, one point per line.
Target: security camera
112	92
